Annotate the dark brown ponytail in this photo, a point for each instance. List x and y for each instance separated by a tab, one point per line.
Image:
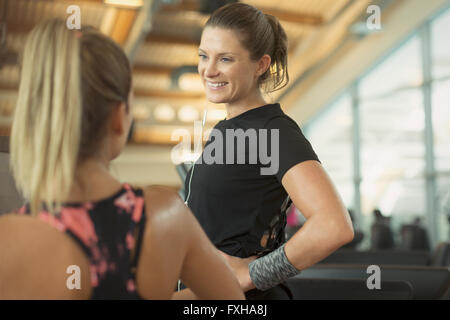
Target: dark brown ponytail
278	72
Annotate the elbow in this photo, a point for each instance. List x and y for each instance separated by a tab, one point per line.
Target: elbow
339	234
346	235
350	235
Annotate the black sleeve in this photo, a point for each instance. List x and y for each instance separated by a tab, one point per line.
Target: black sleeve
294	147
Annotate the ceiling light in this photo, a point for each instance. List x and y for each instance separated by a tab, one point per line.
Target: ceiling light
141	112
191	82
164	113
188	114
125	3
216	114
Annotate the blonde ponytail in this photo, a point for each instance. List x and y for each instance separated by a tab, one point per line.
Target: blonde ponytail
70	83
46	129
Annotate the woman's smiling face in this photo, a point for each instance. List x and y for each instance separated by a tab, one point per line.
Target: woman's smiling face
228	73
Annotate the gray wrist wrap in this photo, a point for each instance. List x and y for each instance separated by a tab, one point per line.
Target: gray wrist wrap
271	270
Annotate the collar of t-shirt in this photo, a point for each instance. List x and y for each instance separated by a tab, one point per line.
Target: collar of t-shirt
268	108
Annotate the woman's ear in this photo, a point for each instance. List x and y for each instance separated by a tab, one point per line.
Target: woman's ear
118	116
263	64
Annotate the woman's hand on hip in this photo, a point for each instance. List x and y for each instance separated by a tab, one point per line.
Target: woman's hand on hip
240	269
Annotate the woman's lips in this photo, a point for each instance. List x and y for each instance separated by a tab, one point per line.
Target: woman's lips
216	85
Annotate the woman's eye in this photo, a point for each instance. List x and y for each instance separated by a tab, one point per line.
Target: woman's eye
226	59
202	56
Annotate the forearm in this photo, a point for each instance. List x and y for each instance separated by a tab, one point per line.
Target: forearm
310	245
316	240
328	226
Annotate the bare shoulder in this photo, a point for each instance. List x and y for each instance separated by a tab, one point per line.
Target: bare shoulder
166	238
155	192
38	258
168	217
159	190
164	206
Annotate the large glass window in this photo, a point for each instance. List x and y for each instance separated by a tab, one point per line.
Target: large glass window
331	137
392	143
441	45
441	116
392	135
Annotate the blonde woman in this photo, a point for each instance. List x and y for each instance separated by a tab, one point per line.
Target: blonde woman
72	118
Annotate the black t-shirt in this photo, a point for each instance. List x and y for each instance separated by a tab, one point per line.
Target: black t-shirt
233	198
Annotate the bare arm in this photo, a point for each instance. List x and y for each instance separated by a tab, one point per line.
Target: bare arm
175	246
328	225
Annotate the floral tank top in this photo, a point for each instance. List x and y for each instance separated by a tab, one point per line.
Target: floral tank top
108	231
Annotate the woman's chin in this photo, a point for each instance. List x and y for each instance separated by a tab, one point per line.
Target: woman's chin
214	99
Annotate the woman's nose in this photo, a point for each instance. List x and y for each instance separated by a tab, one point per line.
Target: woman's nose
211	69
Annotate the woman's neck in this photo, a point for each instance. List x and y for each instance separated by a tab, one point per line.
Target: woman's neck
92	181
253	102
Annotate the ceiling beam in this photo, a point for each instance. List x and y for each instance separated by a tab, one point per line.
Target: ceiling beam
6	109
299	18
158	70
168	94
9	87
124	22
5	131
184	5
19	28
171	40
140	29
287	16
79	1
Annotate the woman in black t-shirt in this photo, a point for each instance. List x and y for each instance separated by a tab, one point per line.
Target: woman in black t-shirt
256	157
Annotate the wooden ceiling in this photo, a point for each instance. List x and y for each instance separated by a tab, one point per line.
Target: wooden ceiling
168	92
